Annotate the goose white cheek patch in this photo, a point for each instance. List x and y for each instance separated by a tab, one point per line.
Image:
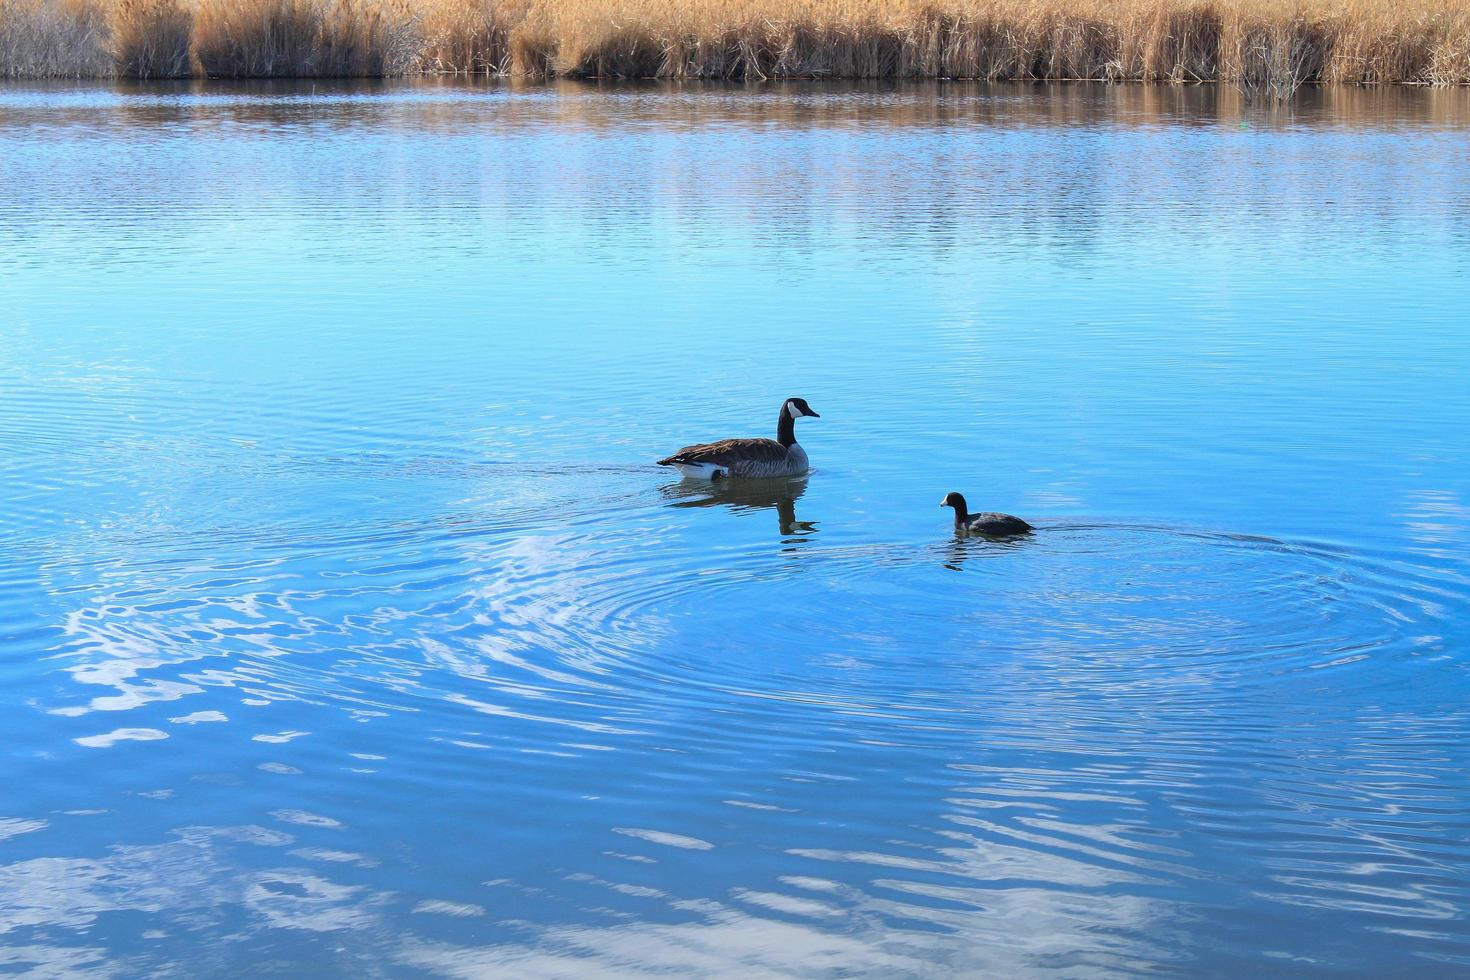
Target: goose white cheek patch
792	410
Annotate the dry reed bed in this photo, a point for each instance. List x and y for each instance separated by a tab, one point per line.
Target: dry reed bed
1259	44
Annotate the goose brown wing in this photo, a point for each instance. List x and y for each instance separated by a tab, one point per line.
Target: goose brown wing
729	451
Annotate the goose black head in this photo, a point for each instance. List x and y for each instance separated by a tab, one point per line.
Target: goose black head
955	500
797	408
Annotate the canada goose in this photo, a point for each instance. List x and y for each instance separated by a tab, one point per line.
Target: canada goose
990	525
749	458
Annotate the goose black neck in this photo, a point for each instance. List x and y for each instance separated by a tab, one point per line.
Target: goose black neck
961	510
786	429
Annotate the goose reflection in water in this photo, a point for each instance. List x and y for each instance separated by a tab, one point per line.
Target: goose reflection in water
744	495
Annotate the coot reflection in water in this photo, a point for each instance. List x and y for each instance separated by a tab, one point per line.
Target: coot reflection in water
347	630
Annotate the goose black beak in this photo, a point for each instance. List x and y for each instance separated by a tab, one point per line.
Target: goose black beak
813	415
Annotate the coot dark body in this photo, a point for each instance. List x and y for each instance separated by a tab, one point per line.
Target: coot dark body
989	524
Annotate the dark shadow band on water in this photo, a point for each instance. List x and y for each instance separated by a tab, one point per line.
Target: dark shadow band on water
510	103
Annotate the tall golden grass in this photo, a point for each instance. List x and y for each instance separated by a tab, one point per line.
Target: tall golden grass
304	38
1274	45
52	39
151	38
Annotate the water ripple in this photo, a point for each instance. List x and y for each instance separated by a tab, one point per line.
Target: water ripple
346	627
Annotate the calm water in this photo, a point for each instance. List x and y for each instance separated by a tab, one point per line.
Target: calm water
347	629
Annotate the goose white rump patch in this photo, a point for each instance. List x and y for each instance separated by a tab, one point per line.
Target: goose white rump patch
700	471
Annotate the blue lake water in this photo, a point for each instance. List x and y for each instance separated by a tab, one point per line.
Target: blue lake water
347	629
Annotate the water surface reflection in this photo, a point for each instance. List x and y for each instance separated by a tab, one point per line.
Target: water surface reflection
348	629
747	495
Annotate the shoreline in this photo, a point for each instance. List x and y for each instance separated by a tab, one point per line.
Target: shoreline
1267	46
